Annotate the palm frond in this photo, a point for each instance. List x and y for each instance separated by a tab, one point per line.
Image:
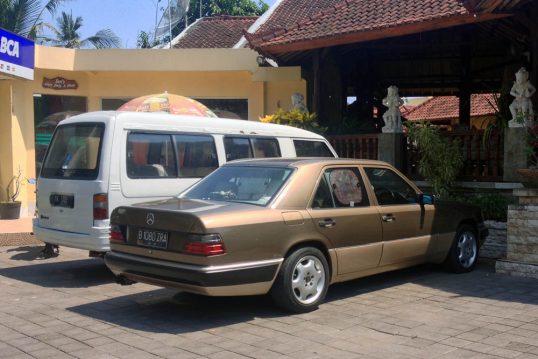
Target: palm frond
25	16
103	39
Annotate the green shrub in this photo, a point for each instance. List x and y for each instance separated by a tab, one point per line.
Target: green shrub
440	159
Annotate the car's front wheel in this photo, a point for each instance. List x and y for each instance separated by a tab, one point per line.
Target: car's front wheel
302	282
464	251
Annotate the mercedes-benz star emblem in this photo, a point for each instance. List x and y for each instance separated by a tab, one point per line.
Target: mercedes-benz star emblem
150	219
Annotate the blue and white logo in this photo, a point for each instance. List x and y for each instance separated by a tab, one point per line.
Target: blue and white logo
16	55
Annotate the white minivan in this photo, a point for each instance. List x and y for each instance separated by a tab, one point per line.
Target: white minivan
101	160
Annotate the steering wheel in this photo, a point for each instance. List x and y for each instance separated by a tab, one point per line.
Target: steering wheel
384	195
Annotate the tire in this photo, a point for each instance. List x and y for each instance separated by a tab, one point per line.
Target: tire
463	254
302	282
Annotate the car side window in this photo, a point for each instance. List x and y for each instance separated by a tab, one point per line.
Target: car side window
150	156
250	147
340	187
265	147
197	155
237	147
389	188
304	148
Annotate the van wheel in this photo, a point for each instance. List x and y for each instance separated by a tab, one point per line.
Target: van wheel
463	254
302	282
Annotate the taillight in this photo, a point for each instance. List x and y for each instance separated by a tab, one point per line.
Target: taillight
116	235
100	206
204	245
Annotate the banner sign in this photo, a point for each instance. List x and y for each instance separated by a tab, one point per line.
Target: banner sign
16	55
59	83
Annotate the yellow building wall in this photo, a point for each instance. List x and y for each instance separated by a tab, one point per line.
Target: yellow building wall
216	74
6	153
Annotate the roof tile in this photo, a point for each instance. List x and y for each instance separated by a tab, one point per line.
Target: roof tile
447	107
315	19
215	32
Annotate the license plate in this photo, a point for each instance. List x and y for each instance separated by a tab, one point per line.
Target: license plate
151	238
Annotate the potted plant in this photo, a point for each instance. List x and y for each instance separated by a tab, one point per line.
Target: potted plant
529	175
11	208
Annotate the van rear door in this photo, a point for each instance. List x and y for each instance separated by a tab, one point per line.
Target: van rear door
70	177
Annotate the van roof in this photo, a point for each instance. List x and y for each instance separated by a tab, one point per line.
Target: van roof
182	123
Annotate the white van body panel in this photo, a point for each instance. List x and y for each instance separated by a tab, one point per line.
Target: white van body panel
75	227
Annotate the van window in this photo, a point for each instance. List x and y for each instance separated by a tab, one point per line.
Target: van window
312	149
197	155
237	147
150	156
74	152
265	147
249	147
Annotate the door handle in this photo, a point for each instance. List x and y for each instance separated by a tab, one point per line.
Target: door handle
327	223
388	218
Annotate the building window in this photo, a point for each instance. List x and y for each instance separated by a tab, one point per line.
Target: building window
49	110
227	108
112	104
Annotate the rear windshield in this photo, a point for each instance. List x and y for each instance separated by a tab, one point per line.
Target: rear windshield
253	185
312	149
74	152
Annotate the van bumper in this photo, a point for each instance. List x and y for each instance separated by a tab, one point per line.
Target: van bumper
241	279
97	240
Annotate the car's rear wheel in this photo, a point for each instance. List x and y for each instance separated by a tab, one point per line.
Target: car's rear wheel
464	251
302	282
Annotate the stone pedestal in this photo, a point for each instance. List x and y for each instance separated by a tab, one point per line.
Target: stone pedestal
515	155
390	149
522	239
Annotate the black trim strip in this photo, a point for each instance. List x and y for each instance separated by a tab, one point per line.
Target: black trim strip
122	265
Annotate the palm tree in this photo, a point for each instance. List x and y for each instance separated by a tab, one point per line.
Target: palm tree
67	35
24	17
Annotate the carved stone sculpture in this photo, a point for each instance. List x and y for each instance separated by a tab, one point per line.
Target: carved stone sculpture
297	101
522	90
392	117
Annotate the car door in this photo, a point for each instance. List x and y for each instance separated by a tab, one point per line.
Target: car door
341	211
407	225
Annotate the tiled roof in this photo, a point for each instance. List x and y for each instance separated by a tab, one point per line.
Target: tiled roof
305	21
447	107
214	32
290	12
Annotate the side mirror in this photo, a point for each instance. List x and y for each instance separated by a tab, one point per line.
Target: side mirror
426	199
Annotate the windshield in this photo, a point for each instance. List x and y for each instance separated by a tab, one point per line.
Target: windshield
74	152
248	184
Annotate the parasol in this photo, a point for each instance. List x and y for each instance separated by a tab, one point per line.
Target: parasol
170	103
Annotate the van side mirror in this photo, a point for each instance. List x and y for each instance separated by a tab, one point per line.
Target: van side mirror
426	199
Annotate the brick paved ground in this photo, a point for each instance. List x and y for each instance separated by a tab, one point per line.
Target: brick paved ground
69	307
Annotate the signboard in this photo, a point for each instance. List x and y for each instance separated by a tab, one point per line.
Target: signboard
59	83
16	55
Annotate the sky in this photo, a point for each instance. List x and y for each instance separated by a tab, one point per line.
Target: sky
125	17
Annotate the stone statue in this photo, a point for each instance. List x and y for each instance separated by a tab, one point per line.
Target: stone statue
522	104
392	117
297	102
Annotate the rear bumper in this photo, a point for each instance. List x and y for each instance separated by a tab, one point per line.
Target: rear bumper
97	240
240	279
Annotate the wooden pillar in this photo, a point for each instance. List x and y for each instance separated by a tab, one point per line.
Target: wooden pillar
534	53
316	96
465	80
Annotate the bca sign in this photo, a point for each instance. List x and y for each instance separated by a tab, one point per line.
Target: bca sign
16	55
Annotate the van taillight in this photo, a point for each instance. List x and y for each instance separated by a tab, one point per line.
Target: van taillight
100	206
204	245
116	234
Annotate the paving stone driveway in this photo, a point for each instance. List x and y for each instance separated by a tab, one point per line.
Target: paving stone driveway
70	307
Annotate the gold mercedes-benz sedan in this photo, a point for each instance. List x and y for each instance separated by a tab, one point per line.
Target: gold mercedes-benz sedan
290	227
